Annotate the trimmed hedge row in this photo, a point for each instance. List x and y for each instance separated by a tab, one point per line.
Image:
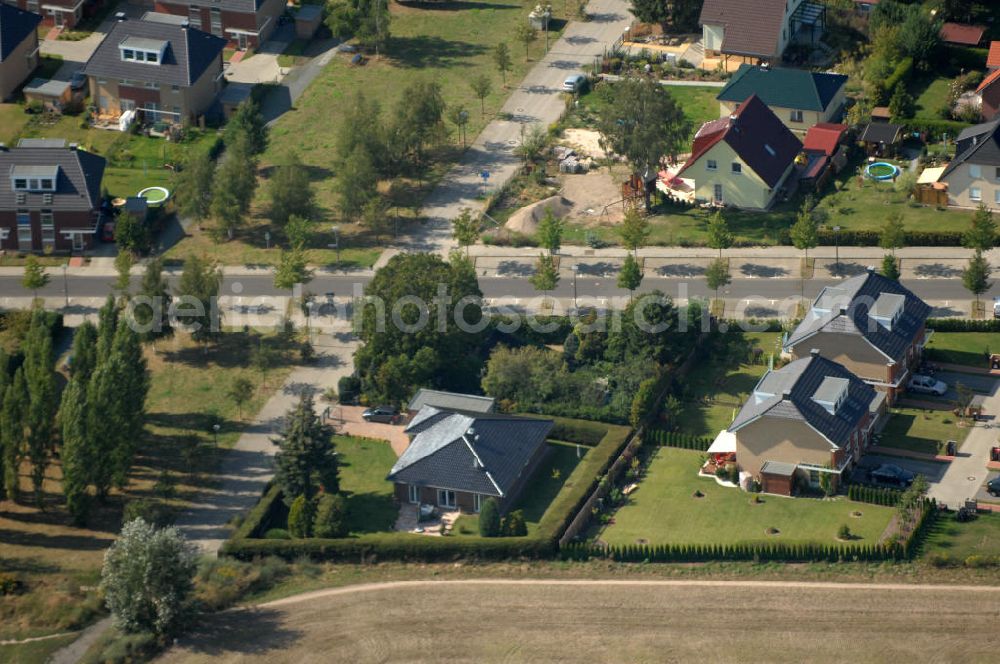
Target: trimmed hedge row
963	325
675	439
863	238
874	495
755	551
245	545
900	73
934	128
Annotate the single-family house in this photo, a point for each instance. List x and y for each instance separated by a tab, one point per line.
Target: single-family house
50	196
973	176
799	98
18	48
742	160
458	460
758	30
962	34
58	13
874	326
160	71
808	418
993	57
243	23
988	94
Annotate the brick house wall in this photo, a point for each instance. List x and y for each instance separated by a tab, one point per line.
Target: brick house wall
62	219
262	21
71	14
16	68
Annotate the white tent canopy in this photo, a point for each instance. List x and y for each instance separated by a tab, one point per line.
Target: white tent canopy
724	443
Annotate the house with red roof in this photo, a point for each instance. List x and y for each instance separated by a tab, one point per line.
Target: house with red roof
962	34
823	153
993	58
743	160
989	96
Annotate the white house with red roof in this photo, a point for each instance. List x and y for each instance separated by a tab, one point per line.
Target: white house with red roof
742	160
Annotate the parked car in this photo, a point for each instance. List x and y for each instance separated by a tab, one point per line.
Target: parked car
383	414
108	231
993	486
78	80
574	83
927	385
892	475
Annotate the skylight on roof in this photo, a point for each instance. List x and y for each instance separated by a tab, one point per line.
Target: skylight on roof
770	150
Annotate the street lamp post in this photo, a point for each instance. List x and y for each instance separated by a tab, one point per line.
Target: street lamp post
267	239
215	434
65	285
575	268
836	239
336	241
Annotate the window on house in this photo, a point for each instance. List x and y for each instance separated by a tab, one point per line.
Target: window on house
796	116
446	498
194	17
175	88
47	185
711	165
128	54
24	240
477	502
21	184
737	167
151	85
152	57
975	171
975	193
216	22
48	230
717	193
414	493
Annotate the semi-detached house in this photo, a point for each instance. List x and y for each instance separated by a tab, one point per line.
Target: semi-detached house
243	23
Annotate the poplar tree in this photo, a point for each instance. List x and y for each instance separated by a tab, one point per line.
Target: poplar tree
107	323
153	311
40	377
84	352
76	452
12	415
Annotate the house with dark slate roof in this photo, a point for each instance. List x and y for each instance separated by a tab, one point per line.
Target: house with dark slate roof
50	197
162	71
874	326
973	176
799	98
758	30
459	459
742	160
808	418
243	23
450	401
18	48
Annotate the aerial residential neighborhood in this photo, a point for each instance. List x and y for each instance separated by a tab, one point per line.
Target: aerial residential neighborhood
596	331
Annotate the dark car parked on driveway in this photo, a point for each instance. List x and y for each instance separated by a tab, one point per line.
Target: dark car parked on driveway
993	486
893	476
383	414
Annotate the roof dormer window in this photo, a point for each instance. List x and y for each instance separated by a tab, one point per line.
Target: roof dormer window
34	178
142	49
887	309
831	394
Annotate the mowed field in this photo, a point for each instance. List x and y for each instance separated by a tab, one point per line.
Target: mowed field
607	621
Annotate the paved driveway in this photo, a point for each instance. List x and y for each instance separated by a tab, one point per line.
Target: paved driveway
352	424
537	100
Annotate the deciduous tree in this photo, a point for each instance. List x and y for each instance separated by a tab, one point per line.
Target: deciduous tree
634	230
976	275
501	57
719	235
193	186
546	276
630	276
982	231
35	276
893	235
550	231
481	87
465	229
240	392
290	191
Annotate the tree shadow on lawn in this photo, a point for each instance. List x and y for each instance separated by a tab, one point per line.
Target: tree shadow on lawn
370	512
70	542
246	631
422	52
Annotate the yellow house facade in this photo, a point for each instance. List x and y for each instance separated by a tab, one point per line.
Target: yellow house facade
723	178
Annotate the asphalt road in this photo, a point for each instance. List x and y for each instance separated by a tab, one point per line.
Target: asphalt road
519	287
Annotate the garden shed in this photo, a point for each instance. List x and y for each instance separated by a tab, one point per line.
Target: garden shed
777	477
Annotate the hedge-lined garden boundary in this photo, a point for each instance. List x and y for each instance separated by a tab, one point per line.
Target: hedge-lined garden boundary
245	544
963	325
684	441
874	495
903	549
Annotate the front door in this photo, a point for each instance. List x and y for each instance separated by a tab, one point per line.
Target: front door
717	194
77	241
58	19
414	494
242	41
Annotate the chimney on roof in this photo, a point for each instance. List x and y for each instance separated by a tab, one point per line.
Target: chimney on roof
184	24
814	352
121	17
786	395
843	308
74	146
870	268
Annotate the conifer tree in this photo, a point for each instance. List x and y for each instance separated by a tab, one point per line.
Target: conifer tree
76	452
12	416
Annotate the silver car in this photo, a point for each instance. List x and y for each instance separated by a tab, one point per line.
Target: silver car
574	83
927	385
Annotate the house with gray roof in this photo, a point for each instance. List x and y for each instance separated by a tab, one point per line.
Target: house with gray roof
472	403
50	197
874	326
160	71
459	459
18	48
243	23
973	176
808	418
800	99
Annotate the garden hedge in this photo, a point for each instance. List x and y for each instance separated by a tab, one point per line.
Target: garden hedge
684	441
963	325
933	128
900	73
874	495
246	544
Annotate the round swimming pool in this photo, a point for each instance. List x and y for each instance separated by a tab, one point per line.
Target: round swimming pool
154	195
881	170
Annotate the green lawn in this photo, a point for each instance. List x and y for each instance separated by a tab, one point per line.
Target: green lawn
715	393
958	541
970	348
845	204
929	95
924	431
364	464
12	121
548	480
36	652
664	511
698	103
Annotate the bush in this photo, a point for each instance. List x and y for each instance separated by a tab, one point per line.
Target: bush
10	584
844	532
939	559
900	73
349	387
301	515
156	512
222	582
277	533
117	648
331	516
489	519
963	325
977	561
514	525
